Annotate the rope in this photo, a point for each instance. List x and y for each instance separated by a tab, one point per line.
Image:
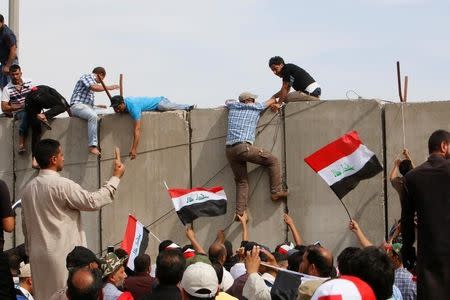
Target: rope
403	126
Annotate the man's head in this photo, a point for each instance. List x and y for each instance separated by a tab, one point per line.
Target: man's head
344	258
247	97
200	281
276	64
25	279
374	267
113	269
170	266
118	104
84	284
317	261
82	257
49	155
394	253
16	74
405	166
217	253
2	20
142	263
439	143
295	257
100	72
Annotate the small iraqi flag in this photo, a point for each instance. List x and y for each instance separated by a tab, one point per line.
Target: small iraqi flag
198	202
344	163
135	241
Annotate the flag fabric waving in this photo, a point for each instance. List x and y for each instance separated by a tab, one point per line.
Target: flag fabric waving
344	163
198	202
135	241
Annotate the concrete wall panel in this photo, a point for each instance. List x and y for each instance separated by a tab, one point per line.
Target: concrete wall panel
421	119
163	155
312	204
7	165
210	167
79	166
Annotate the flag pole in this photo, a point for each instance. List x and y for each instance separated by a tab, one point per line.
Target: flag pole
155	236
349	216
165	184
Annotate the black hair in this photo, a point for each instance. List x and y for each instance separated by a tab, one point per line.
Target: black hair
170	266
142	263
215	254
99	71
279	257
344	258
436	138
90	292
229	248
219	271
405	166
121	253
294	260
276	60
315	256
373	266
2	19
14	68
44	151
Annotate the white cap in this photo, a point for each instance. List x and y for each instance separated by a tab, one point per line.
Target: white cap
346	287
25	270
200	280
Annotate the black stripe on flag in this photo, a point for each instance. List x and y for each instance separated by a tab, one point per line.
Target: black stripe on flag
144	243
210	208
346	184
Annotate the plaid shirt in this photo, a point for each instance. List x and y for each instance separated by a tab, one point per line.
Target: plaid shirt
82	92
403	280
242	121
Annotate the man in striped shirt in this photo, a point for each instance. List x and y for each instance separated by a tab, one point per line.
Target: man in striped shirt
13	102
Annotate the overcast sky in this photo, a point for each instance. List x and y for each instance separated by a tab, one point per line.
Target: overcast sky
207	51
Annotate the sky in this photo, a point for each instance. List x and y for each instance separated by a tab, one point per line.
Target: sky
207	51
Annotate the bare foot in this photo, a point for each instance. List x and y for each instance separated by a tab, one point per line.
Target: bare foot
94	150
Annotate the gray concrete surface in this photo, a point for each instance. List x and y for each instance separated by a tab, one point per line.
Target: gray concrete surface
312	204
7	165
421	119
163	155
209	127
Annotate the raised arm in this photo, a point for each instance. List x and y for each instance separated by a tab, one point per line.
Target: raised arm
244	220
394	171
354	227
295	233
190	234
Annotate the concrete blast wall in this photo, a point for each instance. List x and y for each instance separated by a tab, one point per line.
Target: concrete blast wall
187	149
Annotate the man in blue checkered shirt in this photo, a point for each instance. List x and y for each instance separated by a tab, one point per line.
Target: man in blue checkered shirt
243	118
82	103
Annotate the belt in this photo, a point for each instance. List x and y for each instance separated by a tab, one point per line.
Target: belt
238	143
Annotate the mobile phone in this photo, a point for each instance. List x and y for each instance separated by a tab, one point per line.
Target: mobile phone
110	249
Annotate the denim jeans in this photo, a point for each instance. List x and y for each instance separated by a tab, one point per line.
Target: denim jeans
22	117
86	112
166	105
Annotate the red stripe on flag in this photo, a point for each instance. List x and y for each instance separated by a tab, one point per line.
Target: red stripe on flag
330	297
342	147
130	232
175	193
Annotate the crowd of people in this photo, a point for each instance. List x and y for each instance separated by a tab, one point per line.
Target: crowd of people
55	263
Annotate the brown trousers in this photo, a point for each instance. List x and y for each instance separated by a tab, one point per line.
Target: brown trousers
238	156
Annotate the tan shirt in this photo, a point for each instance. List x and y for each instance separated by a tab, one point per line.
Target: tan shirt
51	221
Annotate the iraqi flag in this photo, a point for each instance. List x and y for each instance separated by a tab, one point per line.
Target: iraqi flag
198	202
135	241
344	163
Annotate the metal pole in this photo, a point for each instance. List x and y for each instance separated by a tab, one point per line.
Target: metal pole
13	18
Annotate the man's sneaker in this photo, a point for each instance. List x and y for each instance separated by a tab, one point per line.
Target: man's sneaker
278	195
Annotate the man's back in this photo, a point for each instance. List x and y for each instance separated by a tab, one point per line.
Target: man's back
139	284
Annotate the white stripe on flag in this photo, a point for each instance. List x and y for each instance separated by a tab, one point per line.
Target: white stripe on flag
197	197
138	236
346	166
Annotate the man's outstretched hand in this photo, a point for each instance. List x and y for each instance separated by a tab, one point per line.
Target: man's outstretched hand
119	167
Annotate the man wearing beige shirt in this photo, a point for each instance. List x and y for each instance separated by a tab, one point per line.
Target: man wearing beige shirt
51	206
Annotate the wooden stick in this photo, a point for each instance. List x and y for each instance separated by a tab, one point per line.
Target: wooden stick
121	84
104	87
405	92
399	81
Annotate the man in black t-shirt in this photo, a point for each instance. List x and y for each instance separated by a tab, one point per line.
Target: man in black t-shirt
6	213
306	88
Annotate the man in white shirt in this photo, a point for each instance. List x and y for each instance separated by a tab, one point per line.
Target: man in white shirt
25	288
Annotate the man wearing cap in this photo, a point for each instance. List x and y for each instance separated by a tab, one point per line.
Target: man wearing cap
25	289
114	277
243	118
403	278
82	103
136	105
200	281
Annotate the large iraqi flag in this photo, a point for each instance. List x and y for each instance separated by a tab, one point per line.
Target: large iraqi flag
344	163
135	241
198	202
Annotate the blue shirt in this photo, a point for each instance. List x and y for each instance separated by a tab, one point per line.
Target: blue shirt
136	105
82	92
242	121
